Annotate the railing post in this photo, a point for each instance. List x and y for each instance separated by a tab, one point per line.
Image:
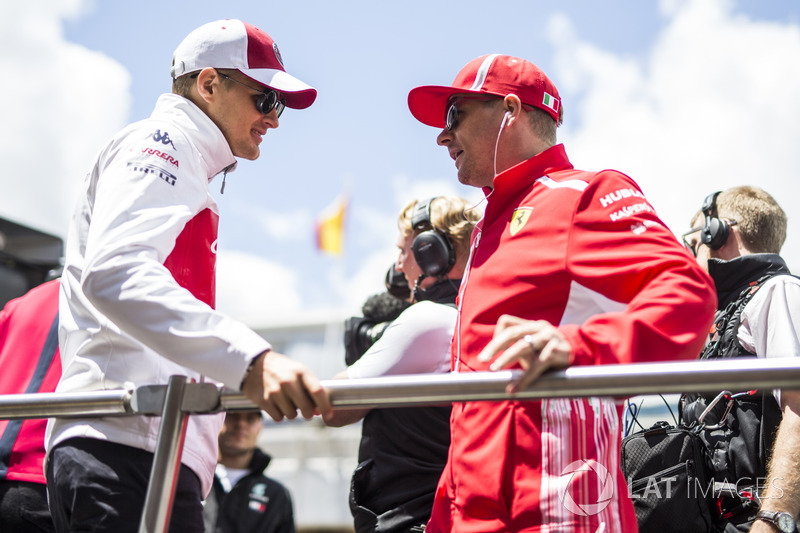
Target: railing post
166	460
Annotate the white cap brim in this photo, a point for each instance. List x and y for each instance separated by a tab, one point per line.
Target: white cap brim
298	95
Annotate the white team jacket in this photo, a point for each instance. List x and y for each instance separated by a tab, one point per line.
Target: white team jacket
137	292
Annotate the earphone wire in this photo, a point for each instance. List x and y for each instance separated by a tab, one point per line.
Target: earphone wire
474	206
497	142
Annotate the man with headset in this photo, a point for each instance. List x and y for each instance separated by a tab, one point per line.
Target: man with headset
403	450
567	267
736	237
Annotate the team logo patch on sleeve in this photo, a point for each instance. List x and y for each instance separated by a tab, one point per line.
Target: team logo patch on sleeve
166	157
519	219
620	194
163	138
152	169
631	210
624	203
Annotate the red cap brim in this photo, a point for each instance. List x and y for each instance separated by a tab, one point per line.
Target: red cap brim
428	103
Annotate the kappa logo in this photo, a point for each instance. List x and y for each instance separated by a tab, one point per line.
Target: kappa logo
163	138
152	169
519	219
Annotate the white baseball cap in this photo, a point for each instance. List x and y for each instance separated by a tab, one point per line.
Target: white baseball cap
234	44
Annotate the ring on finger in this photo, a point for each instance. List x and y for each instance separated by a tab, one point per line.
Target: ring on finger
529	339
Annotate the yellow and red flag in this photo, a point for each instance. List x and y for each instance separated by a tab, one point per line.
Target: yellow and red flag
330	227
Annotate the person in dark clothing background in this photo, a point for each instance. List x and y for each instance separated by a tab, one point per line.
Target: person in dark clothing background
243	499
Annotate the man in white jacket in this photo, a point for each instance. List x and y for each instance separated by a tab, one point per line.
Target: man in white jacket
137	294
737	238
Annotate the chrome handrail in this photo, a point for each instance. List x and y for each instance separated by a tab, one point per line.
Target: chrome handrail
174	401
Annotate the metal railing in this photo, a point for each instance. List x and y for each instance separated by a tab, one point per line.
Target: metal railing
180	398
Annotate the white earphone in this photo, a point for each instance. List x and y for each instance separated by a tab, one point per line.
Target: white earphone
497	143
505	119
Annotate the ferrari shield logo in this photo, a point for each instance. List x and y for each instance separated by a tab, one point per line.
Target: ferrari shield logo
520	217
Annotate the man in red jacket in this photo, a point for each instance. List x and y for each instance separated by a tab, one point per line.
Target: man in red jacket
567	267
30	363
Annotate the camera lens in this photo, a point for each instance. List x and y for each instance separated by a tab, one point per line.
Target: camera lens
359	334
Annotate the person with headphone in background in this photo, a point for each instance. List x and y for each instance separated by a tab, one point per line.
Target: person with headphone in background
736	237
403	450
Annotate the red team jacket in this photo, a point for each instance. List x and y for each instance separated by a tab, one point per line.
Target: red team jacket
30	363
584	251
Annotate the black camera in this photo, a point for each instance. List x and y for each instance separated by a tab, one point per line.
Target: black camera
361	332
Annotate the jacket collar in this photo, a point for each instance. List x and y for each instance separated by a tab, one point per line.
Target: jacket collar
730	277
214	150
443	291
259	461
522	175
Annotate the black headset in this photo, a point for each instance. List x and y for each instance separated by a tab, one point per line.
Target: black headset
715	231
432	249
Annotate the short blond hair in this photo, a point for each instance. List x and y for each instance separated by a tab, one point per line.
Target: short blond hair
450	215
761	221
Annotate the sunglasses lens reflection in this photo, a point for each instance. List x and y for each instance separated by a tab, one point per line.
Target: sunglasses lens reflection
450	118
269	101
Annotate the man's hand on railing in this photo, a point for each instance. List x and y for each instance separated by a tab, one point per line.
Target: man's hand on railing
281	386
535	345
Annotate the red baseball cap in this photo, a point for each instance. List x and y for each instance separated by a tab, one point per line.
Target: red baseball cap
234	44
492	74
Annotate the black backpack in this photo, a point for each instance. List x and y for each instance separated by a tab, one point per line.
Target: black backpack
666	468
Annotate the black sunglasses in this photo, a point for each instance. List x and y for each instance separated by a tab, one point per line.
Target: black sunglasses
451	117
690	246
268	100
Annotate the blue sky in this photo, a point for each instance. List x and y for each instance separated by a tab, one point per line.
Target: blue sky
685	96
